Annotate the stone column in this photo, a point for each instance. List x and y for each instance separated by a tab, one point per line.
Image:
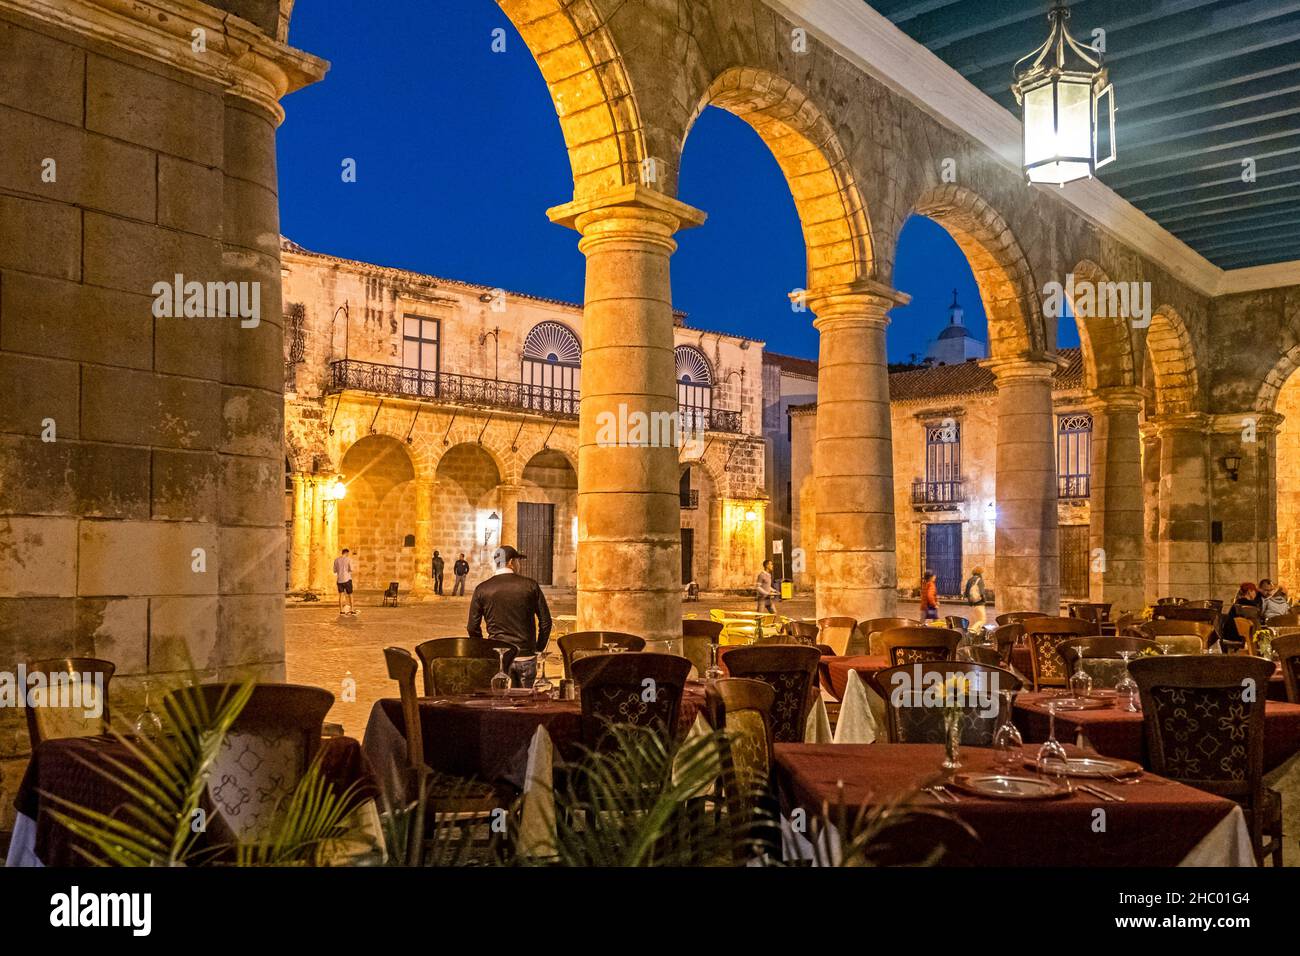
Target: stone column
1244	506
508	509
1116	538
629	538
1151	511
1026	555
300	552
324	535
853	455
422	576
1183	548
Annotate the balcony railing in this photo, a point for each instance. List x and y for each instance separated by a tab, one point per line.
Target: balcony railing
1073	486
493	393
938	492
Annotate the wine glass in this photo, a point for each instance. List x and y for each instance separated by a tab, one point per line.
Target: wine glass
1126	690
1080	681
713	671
147	724
501	679
1008	745
1052	759
542	686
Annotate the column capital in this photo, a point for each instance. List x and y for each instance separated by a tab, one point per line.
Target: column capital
865	300
627	212
1196	422
1026	365
1229	422
1125	397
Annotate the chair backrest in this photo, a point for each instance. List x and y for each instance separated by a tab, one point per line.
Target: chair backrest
1289	619
743	708
866	640
1181	643
980	654
401	668
631	688
907	645
1005	637
1244	627
697	636
581	644
1162	628
74	702
957	623
1044	636
1015	617
911	716
837	632
696	627
1074	648
791	669
461	665
1287	648
391	590
1202	728
1098	612
1185	612
805	632
270	745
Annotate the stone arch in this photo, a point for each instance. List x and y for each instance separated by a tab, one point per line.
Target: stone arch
1011	298
1172	363
832	213
590	87
465	491
379	510
1106	341
1276	379
468	432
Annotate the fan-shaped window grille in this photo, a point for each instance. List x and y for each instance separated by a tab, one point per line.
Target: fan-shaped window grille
694	387
551	373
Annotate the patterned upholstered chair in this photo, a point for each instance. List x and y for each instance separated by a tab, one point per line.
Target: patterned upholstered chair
1180	643
632	688
866	640
582	644
697	637
1074	648
743	708
909	719
1044	635
270	745
74	702
1287	648
1016	617
908	645
1202	729
460	665
837	632
791	670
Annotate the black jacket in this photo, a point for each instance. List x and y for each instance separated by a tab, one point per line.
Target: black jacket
460	567
438	564
515	610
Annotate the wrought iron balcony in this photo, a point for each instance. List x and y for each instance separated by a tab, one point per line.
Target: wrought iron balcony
456	389
1073	486
938	492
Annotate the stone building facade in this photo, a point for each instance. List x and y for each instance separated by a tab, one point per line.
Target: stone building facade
788	382
446	414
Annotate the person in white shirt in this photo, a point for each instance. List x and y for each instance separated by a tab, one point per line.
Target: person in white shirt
763	590
343	576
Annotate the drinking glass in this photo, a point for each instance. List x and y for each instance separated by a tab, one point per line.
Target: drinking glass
542	686
1126	691
1052	752
501	679
147	724
714	672
1080	681
1008	745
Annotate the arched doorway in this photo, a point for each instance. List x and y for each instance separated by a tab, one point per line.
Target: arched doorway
466	507
378	512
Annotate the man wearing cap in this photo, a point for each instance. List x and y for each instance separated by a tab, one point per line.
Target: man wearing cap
515	610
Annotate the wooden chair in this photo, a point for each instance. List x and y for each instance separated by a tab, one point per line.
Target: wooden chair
697	637
910	721
390	594
1287	648
1203	731
907	645
791	670
65	678
1096	611
1289	619
742	707
829	632
1102	654
804	632
1005	637
1016	617
865	639
1244	627
582	644
460	665
956	623
614	691
1044	635
979	654
401	668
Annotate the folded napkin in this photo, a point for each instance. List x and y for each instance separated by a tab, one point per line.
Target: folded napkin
537	817
818	728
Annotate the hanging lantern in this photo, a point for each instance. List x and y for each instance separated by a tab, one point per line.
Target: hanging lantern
1068	107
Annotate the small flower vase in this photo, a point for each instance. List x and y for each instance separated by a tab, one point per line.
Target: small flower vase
952	738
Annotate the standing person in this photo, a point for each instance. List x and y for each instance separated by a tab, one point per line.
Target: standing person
515	610
929	597
460	570
974	592
438	565
343	577
763	589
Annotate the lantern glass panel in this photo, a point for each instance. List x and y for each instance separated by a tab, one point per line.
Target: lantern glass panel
1074	120
1040	125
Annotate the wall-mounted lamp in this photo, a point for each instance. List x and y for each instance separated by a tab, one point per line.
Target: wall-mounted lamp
336	491
751	515
493	523
1231	466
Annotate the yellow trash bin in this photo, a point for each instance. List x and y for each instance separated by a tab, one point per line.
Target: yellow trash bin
787	590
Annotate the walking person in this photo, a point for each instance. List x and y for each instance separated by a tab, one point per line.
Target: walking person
514	608
343	577
974	593
438	565
763	590
460	571
929	597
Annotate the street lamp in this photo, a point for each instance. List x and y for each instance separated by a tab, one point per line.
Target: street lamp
1061	88
336	491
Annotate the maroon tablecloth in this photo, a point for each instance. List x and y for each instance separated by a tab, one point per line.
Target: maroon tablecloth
1118	733
1158	825
835	671
67	768
468	737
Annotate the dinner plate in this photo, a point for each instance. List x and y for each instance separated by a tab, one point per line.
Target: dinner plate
1092	767
1001	786
1080	703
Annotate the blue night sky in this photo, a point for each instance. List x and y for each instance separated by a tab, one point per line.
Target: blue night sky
459	154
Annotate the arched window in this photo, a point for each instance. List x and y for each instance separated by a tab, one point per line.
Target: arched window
1074	455
552	369
694	387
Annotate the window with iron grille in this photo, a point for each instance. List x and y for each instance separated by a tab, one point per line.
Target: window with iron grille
694	387
552	371
420	354
1074	455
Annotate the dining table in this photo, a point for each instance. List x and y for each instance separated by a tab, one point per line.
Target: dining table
1151	822
1021	662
